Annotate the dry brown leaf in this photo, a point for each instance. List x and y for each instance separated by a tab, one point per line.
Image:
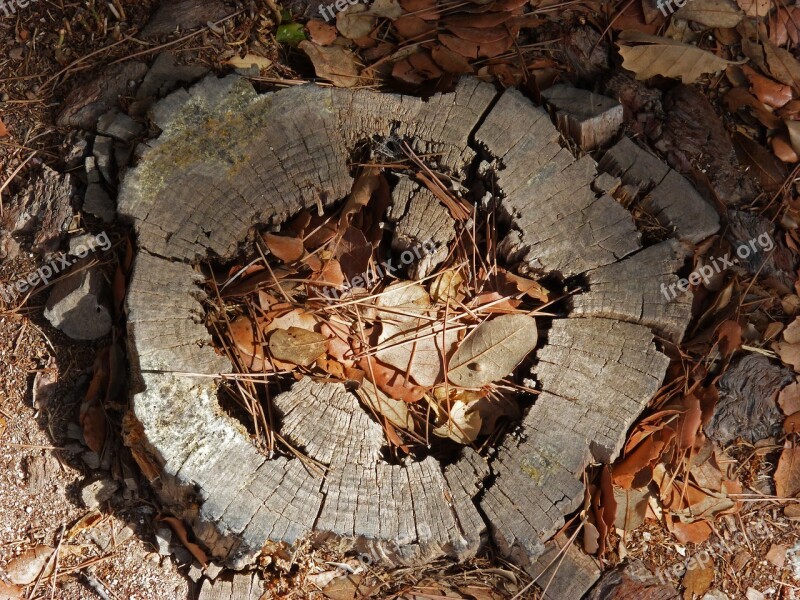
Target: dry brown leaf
793	127
695	533
366	184
782	148
668	58
355	23
334	63
789	354
787	474
179	529
738	98
249	60
25	568
92	415
321	33
493	350
784	25
3	129
87	521
698	579
395	411
418	349
286	248
450	61
631	507
463	424
343	588
294	318
10	591
770	171
782	65
711	13
390	380
729	335
768	91
792	424
248	347
297	345
446	285
385	9
789	399
403	301
636	469
754	8
591	538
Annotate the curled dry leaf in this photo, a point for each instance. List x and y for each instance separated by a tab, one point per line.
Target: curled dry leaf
789	399
403	301
87	521
321	33
783	148
738	98
463	424
248	347
446	285
493	350
249	60
334	63
179	529
355	23
297	346
783	66
286	248
767	90
27	566
666	57
395	411
390	380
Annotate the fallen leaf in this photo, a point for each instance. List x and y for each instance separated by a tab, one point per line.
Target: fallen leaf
789	354
297	345
3	129
445	285
391	381
355	23
695	533
450	61
285	248
738	98
87	521
25	568
729	335
395	411
698	579
417	349
334	63
463	424
789	399
343	588
493	350
248	346
296	317
662	56
782	65
591	538
631	507
793	127
179	529
711	13
321	33
366	184
249	60
787	474
782	148
768	91
770	171
784	25
92	415
403	301
10	591
754	8
777	555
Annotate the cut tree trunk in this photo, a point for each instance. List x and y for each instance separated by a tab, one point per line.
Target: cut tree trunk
229	159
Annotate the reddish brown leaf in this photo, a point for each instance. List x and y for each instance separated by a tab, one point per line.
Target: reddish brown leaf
3	130
695	533
390	380
789	399
321	33
784	26
769	170
767	90
288	249
450	61
729	337
249	348
792	424
782	148
739	98
92	414
413	28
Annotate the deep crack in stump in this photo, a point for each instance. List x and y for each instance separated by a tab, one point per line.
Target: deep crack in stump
229	159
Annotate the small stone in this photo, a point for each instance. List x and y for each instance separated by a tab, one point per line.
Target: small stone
98	492
102	151
119	126
753	594
195	572
97	202
163	539
715	595
91	460
213	570
77	305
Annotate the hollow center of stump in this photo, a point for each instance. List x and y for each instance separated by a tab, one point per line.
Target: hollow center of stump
399	293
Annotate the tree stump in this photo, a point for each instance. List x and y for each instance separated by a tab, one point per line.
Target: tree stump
229	159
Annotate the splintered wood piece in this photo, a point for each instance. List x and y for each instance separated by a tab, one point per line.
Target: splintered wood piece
641	289
588	119
597	375
564	570
243	586
670	197
558	222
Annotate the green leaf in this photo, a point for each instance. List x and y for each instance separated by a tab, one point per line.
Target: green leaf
291	33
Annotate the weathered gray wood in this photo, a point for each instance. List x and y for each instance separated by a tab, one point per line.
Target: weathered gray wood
243	586
422	224
597	375
590	120
641	289
564	571
559	223
670	198
229	159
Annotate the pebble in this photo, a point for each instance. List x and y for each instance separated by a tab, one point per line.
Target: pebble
98	492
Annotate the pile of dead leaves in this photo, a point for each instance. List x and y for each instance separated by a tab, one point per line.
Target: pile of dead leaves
430	355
